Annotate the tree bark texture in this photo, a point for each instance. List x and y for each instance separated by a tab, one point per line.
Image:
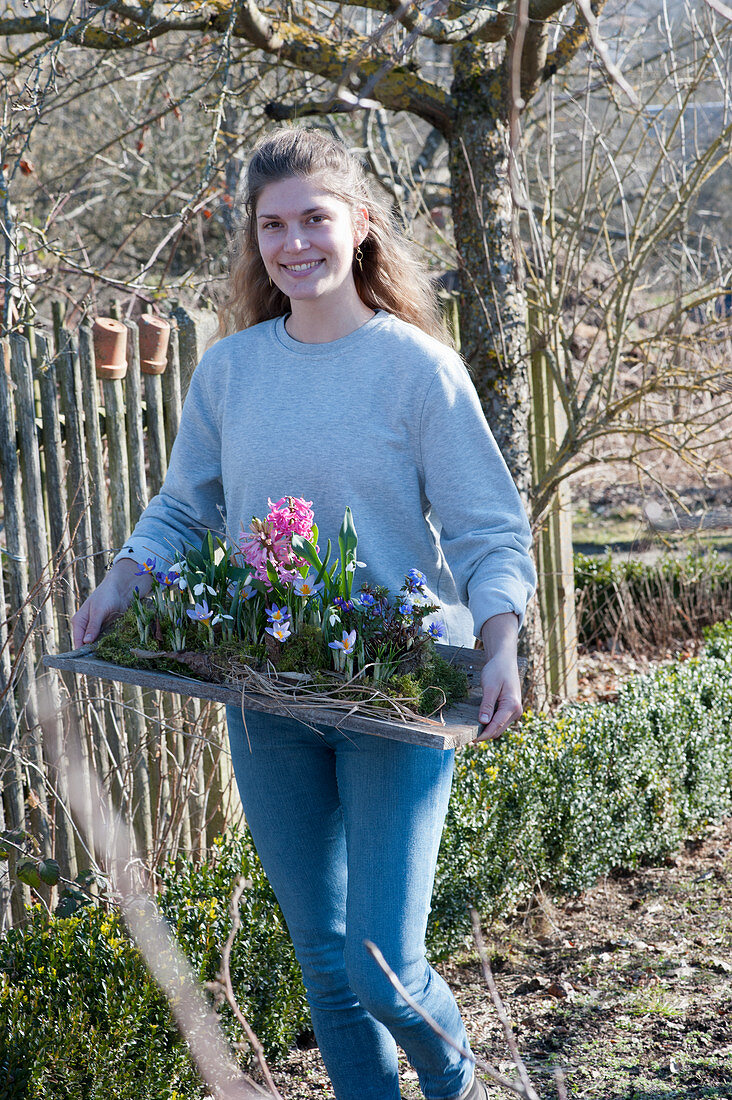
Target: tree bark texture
493	307
493	311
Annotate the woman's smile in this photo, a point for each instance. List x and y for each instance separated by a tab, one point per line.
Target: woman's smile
302	268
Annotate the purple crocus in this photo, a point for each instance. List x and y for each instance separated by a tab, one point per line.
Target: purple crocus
277	614
347	643
202	613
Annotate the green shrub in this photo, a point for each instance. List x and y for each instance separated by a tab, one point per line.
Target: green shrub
80	1017
264	973
560	801
634	604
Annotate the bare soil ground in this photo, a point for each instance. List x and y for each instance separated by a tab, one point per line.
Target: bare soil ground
627	988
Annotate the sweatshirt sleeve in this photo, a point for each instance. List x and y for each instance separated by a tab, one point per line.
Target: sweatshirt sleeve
484	532
191	499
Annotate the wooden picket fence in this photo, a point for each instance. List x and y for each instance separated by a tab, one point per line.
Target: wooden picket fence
79	459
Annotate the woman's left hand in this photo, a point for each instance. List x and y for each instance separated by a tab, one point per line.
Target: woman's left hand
500	681
501	704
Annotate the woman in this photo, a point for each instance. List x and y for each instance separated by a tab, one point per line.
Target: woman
333	381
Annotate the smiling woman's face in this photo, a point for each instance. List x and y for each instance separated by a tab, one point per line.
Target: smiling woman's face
307	238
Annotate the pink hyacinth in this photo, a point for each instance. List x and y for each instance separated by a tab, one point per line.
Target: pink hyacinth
292	516
268	541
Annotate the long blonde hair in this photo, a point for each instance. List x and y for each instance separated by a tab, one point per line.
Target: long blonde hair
391	276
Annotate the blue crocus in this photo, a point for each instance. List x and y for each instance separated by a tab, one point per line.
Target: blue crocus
147	567
277	614
167	579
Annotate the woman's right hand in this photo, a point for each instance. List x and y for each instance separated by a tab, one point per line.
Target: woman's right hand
108	601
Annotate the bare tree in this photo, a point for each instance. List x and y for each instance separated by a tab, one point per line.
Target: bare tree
433	94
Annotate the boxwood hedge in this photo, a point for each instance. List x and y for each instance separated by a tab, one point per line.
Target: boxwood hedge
562	799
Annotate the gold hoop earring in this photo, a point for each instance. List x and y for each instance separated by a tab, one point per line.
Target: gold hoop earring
359	257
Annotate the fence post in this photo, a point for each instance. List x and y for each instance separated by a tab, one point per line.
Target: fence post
10	772
156	454
119	480
55	493
188	350
70	388
93	438
39	557
135	438
20	602
554	543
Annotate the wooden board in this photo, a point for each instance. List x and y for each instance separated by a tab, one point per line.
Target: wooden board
459	726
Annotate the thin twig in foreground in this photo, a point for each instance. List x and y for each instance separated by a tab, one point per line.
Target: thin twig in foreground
486	1067
166	962
559	1082
500	1009
223	983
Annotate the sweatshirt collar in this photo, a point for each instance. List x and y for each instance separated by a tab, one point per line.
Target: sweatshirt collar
330	347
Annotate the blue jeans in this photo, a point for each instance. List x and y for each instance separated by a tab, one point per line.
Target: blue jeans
347	827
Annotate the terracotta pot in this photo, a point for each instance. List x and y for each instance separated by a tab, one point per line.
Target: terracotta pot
110	347
154	337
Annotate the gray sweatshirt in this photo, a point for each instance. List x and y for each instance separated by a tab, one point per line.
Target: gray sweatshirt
385	420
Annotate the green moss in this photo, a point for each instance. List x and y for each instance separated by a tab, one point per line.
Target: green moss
305	651
437	677
426	678
116	643
427	684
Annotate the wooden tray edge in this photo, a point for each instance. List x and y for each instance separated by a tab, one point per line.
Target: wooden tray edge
434	735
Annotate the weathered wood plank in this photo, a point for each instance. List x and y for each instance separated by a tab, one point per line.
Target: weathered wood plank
460	723
156	453
95	453
49	702
135	438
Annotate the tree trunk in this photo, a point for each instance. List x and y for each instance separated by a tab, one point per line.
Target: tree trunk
493	316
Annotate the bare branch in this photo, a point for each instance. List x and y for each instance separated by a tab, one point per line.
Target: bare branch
223	982
529	1089
602	52
572	42
95	38
396	86
720	7
481	23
